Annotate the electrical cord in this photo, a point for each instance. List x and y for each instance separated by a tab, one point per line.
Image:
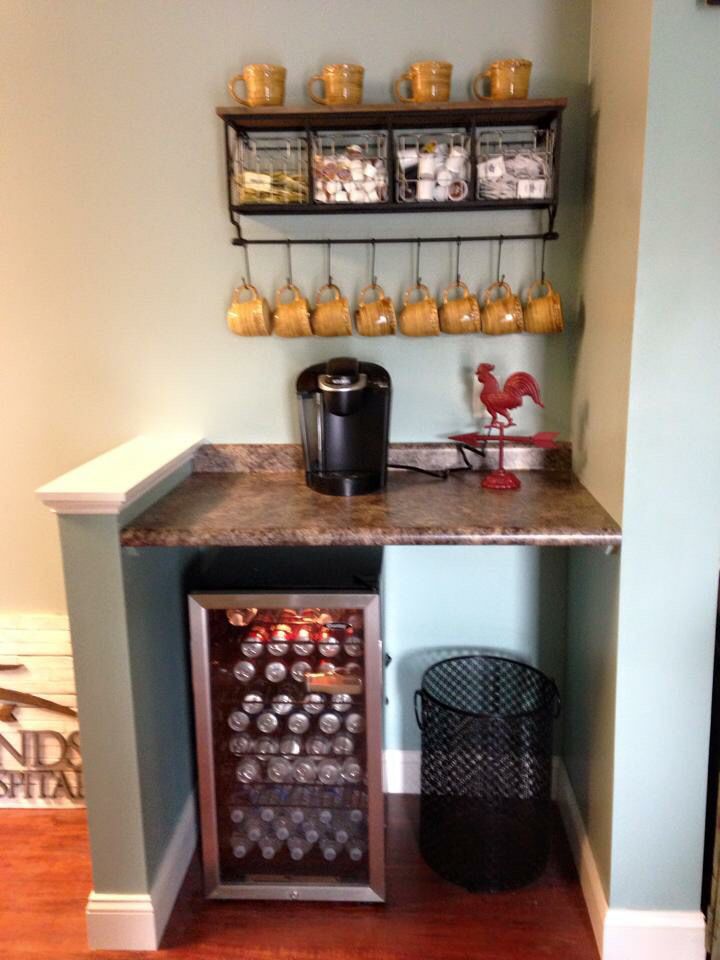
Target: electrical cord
442	474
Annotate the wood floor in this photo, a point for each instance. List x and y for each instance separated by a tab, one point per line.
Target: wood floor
46	879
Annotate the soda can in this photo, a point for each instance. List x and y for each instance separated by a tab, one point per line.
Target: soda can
298	723
267	722
282	704
303	649
275	671
343	745
248	771
278	648
329	723
328	771
244	671
354	723
351	771
266	745
279	770
299	669
240	744
304	771
329	647
252	703
238	721
353	647
314	703
342	702
318	745
251	649
291	745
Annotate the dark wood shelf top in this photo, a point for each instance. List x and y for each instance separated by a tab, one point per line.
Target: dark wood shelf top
276	209
491	112
279	509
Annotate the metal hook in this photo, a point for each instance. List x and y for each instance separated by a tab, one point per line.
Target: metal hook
373	275
417	264
329	259
457	260
501	240
542	262
247	265
289	264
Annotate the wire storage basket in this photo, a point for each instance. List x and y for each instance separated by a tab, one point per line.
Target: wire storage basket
487	725
270	169
432	166
516	163
350	167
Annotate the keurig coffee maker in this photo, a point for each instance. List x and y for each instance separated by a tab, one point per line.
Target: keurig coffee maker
345	419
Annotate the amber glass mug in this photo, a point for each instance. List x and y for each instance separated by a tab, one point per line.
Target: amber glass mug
292	319
342	84
429	82
419	318
543	314
461	314
264	85
509	80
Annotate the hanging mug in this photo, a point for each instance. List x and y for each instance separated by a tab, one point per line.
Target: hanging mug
249	318
503	315
461	315
331	318
420	318
543	314
509	80
375	318
292	319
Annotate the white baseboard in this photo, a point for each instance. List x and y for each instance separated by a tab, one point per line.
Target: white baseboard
401	771
625	934
124	921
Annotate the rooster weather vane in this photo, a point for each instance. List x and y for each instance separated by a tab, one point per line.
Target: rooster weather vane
499	401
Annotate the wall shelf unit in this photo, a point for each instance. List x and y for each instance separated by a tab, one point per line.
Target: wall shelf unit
276	155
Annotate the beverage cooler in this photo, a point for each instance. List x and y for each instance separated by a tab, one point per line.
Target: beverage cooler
288	710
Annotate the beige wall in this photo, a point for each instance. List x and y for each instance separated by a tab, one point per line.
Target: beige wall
619	61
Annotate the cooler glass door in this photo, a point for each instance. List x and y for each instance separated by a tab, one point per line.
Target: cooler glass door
288	713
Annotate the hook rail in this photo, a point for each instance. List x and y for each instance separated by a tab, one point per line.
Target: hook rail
322	242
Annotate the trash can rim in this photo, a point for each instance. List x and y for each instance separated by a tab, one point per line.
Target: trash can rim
552	687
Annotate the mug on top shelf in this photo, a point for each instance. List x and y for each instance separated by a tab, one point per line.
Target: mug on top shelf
429	82
264	85
342	85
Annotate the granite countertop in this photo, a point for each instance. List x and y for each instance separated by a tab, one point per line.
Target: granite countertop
228	501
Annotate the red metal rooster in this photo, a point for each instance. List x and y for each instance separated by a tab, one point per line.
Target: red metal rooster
498	402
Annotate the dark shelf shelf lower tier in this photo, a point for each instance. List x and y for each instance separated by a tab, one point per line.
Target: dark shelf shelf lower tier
276	209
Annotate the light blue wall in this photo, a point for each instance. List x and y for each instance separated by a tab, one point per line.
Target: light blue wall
442	601
671	536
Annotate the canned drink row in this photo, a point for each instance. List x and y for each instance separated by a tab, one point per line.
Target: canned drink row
276	671
254	646
292	745
304	770
348	820
296	721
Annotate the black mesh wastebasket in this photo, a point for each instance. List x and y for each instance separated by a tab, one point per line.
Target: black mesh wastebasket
486	727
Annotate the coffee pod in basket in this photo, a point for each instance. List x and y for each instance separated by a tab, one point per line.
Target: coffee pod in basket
250	317
375	318
543	314
419	318
462	314
292	319
501	315
331	318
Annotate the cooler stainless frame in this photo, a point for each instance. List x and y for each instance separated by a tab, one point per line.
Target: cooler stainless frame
369	603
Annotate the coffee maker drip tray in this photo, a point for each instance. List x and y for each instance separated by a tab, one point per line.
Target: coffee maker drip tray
345	483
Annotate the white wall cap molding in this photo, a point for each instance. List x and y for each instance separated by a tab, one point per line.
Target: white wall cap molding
114	480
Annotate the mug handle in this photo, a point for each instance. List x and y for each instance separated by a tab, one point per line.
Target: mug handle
231	89
309	88
498	285
370	286
396	87
484	75
244	286
540	283
460	285
281	290
410	290
328	286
